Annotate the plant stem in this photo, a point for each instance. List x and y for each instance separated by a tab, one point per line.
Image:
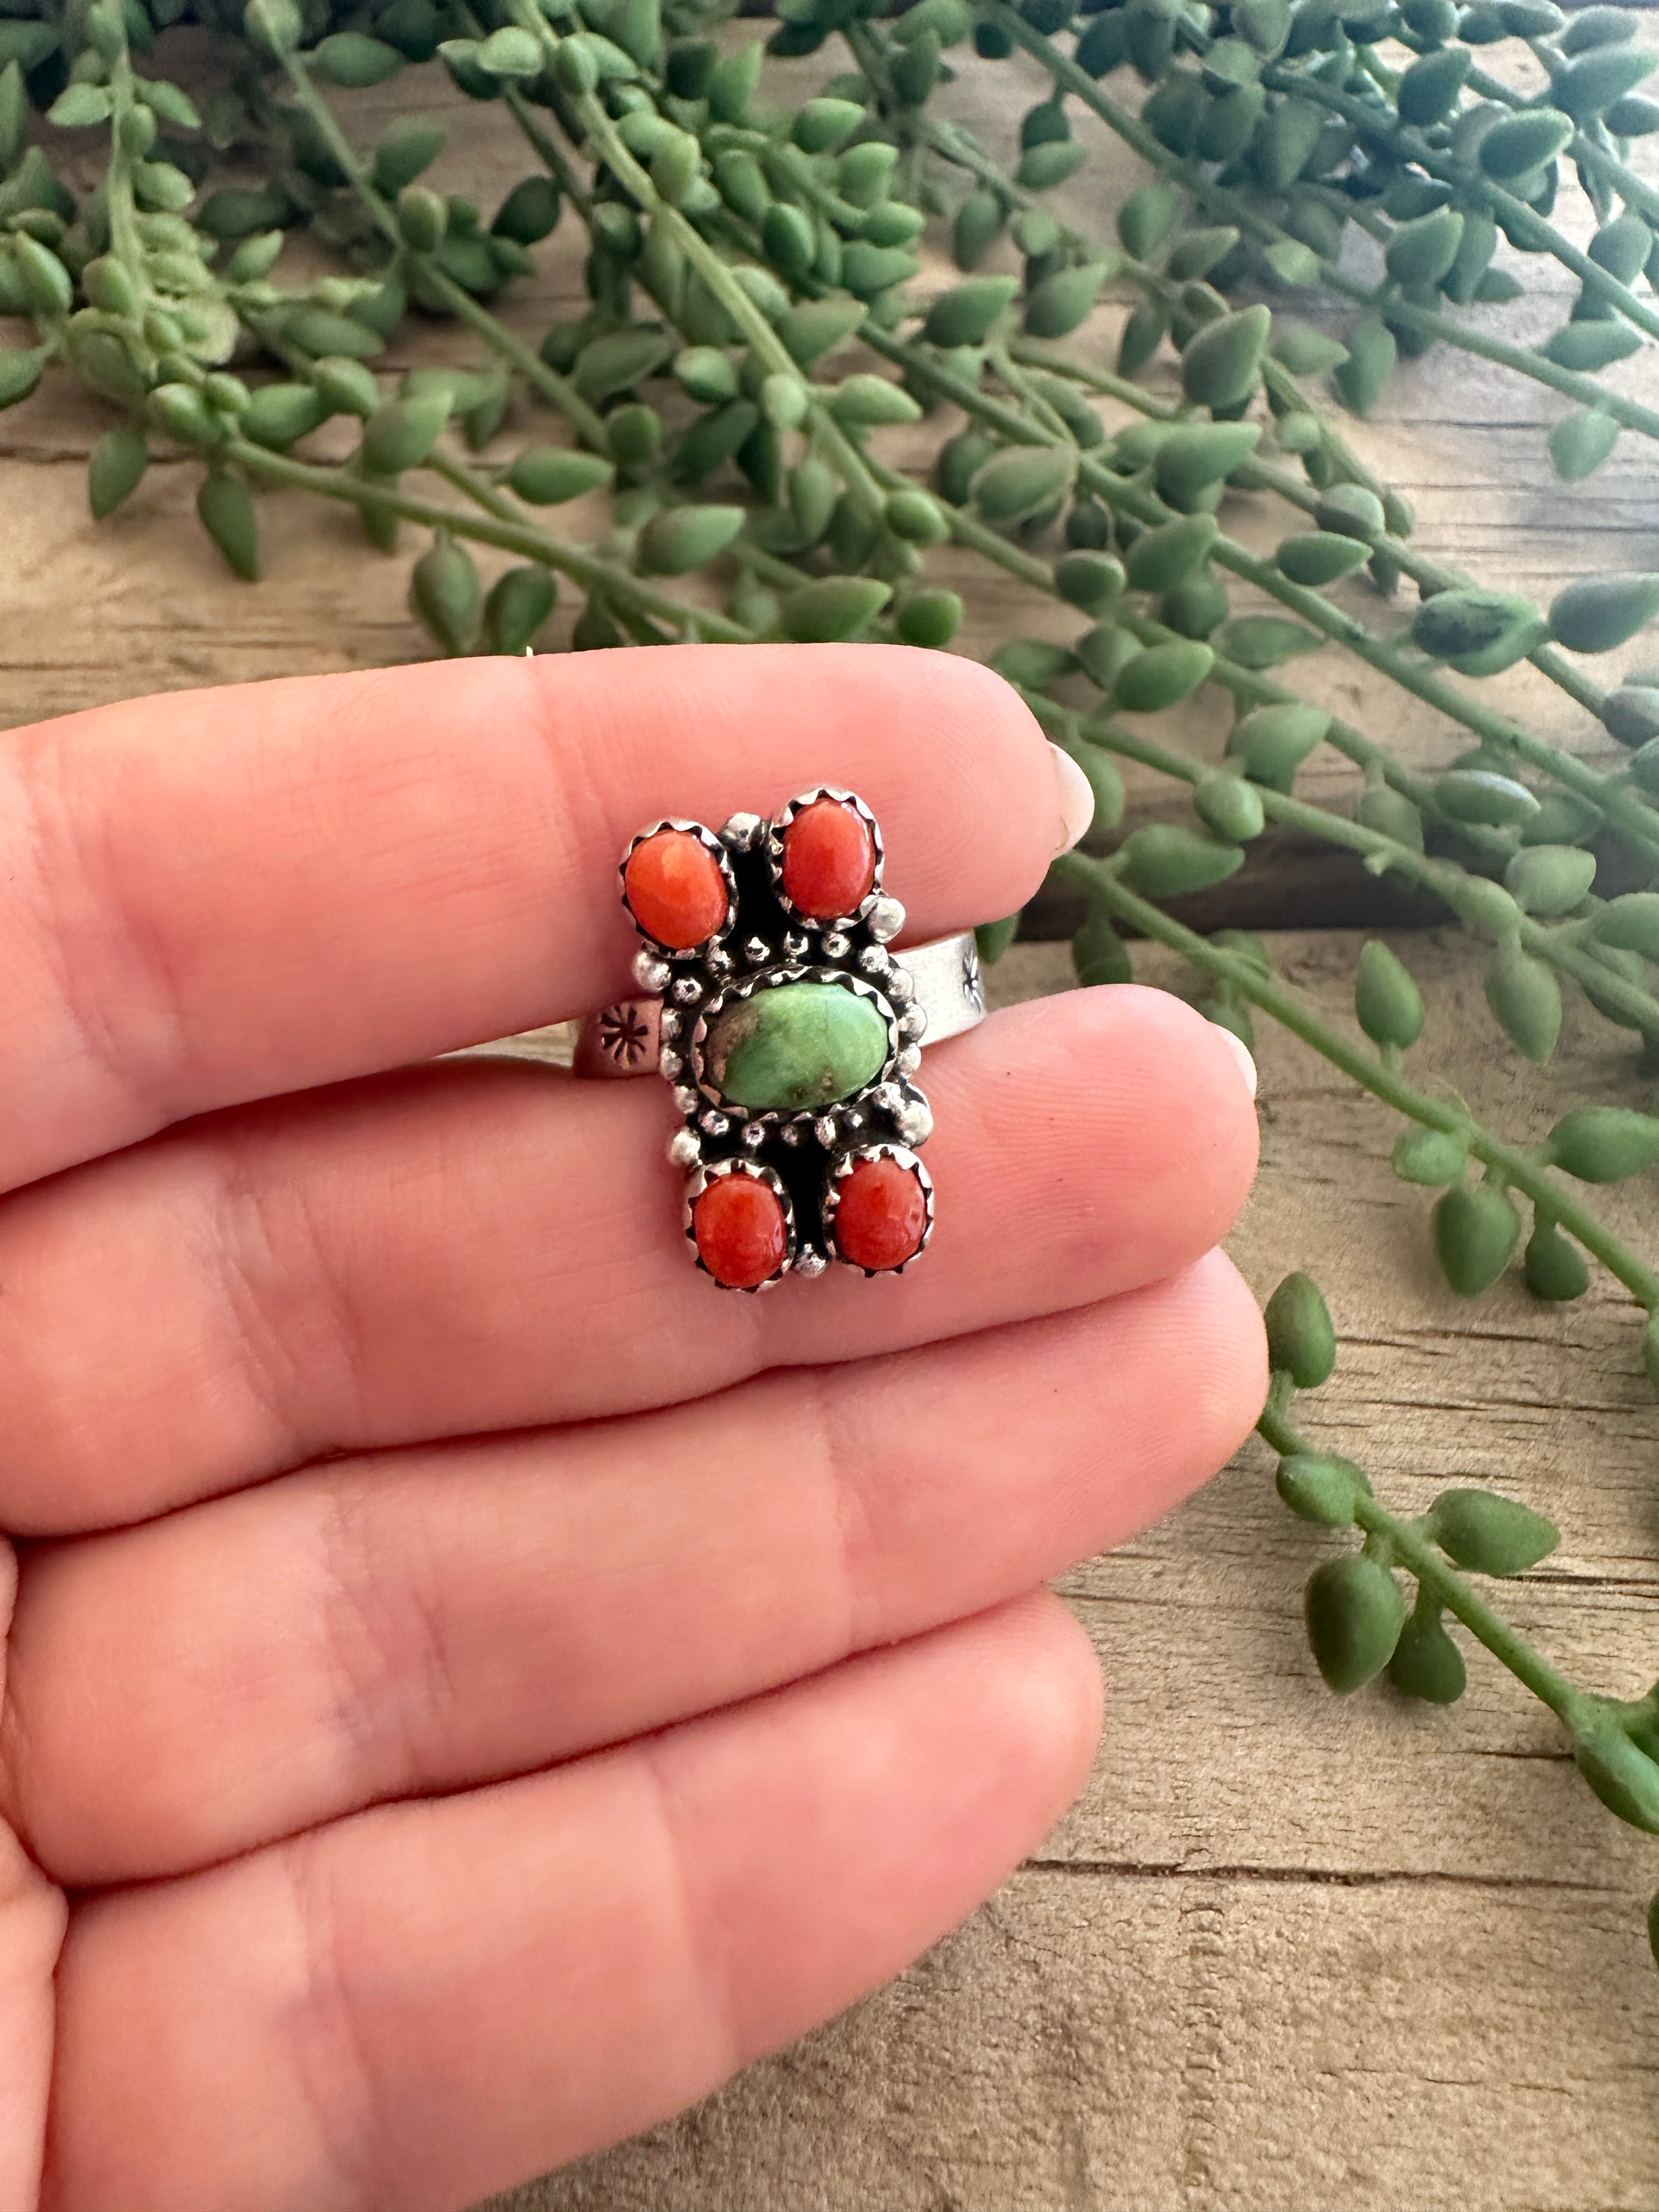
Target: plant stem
1472	181
487	528
1572	1706
1445	878
1637	823
512	348
1248	219
1100	880
1263	475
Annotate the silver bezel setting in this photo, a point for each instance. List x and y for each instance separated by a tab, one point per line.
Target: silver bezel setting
843	1167
774	832
773	979
712	1172
803	1154
721	856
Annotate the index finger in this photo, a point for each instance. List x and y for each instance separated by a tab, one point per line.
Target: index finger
219	896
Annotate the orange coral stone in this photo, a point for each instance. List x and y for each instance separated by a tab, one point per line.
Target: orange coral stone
740	1231
674	889
829	859
881	1214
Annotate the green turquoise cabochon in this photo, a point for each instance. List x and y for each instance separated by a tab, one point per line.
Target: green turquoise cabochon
796	1047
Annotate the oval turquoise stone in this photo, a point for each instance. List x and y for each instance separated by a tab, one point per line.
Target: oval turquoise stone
795	1047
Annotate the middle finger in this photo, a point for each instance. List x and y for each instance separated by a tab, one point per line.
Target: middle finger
471	1248
376	1629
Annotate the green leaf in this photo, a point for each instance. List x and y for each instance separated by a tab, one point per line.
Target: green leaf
834	608
963	315
620	360
1549	880
520	602
1230	807
511	51
446	595
1360	379
400	435
1478	633
1430	90
278	414
78	107
1197	251
1301	1335
1292	263
1588	347
978	225
822	125
1625	1779
1517	144
1020	481
1593	82
930	618
1098	954
1632	715
322	333
1320	1487
351	59
1354	1612
1168	555
1555	1269
1191	459
869	401
1476	1230
1428	1156
1387	1000
1147	218
1317	557
1488	1534
1063	301
1271	742
225	508
1580	442
1630	924
1478	794
1604	1144
1165	859
1419	253
1600	613
1257	642
816	327
1042	167
682	539
1426	1663
1221	364
1305	352
115	468
1285	143
1525	998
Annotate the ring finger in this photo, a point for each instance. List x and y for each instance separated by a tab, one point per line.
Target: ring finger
392	1627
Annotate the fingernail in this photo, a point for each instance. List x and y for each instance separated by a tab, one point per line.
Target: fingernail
1077	797
1241	1052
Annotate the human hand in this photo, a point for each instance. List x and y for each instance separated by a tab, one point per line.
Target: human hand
477	1683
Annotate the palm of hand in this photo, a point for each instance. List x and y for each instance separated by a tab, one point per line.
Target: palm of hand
471	1685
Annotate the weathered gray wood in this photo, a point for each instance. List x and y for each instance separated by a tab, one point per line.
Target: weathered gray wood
1285	1954
1290	1952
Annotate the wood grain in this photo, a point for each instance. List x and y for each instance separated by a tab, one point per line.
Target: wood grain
1286	1952
1290	1952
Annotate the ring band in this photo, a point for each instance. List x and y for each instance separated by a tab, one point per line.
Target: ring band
790	1035
624	1039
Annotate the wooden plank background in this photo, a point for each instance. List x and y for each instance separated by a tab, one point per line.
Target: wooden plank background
1286	1952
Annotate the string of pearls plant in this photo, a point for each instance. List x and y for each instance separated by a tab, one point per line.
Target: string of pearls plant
1328	185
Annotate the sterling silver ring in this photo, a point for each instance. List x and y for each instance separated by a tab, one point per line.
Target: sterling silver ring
790	1033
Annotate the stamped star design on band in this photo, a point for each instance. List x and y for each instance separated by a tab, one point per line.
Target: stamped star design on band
791	1036
625	1037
